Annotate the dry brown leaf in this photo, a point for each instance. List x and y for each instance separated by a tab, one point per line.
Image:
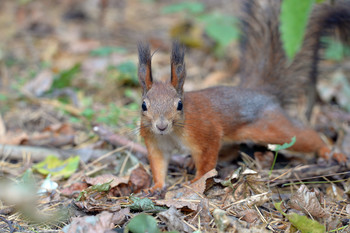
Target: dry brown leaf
74	189
119	217
188	196
140	179
174	220
306	201
91	224
248	215
91	205
105	178
179	203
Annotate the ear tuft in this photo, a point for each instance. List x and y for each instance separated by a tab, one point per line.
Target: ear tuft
178	70
145	69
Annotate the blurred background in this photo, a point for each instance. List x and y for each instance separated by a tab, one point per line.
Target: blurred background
75	61
83	54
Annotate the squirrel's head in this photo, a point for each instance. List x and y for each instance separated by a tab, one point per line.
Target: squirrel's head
162	103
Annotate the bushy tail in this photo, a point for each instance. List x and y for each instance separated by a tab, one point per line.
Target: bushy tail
264	63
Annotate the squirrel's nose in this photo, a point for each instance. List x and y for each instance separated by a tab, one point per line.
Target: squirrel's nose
162	126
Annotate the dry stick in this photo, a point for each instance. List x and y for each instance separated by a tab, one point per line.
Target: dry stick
119	140
40	153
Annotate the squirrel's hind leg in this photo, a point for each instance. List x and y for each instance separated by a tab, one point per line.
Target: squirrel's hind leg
274	127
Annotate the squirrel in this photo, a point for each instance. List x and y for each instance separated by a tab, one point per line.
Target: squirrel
198	122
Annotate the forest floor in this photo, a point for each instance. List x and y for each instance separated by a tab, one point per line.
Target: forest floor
72	160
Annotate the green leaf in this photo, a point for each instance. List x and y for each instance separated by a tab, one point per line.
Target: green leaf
64	79
107	50
105	187
88	113
286	145
302	223
128	73
294	17
144	204
190	7
3	97
142	223
56	167
221	28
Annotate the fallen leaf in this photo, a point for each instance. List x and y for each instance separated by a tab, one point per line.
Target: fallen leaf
91	205
306	201
74	189
91	224
302	223
56	167
248	215
105	178
140	179
174	220
193	189
189	196
120	217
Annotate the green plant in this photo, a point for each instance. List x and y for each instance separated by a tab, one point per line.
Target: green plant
302	223
65	78
281	147
127	73
222	29
294	17
107	50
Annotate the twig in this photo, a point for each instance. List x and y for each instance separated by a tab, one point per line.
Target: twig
40	153
119	140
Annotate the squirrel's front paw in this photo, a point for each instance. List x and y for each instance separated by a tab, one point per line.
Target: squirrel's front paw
157	190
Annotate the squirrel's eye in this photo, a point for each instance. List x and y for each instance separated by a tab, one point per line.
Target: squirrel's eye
144	107
179	105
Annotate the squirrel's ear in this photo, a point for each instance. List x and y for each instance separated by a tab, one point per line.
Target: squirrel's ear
145	70
178	70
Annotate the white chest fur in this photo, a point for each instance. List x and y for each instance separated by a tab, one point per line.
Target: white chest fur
171	143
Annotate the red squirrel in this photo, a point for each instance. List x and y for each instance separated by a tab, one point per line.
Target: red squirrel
197	122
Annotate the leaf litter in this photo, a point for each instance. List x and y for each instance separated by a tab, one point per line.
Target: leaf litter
70	155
